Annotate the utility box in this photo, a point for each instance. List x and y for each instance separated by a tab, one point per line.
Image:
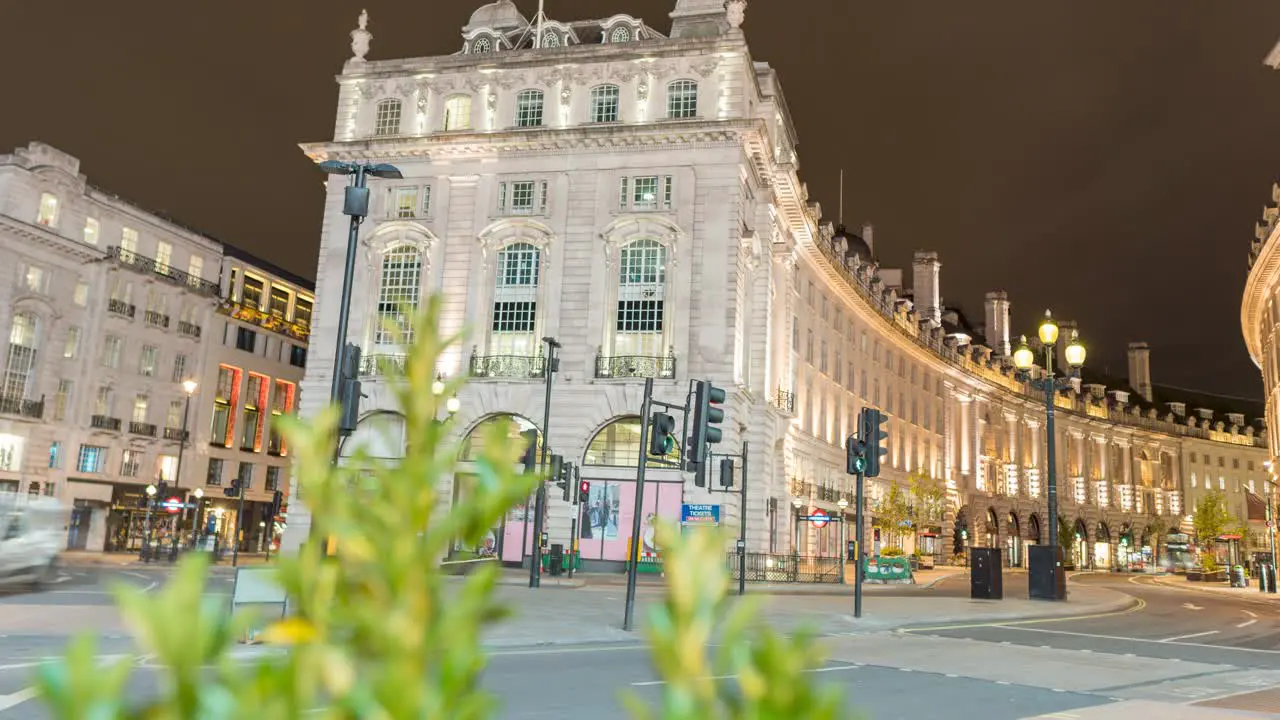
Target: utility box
985	574
1046	578
1266	577
557	559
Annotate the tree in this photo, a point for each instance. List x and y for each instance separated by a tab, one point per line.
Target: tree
1156	529
1067	540
1211	519
892	511
926	503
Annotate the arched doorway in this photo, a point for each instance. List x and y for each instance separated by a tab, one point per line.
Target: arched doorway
605	520
1102	547
1127	547
513	540
1080	546
1013	541
991	532
1033	529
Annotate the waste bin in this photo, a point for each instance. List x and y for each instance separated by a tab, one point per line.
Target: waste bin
985	574
557	559
1238	579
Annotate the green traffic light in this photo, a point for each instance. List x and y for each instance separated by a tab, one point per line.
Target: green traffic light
668	445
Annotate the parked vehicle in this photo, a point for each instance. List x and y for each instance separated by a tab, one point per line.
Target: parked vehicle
31	533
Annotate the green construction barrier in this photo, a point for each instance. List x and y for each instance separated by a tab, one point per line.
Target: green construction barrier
546	562
885	569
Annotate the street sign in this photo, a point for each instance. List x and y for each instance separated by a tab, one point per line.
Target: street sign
819	518
742	544
173	505
697	514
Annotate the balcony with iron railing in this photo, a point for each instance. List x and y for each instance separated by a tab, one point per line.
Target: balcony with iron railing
189	329
508	367
150	266
142	428
382	364
785	401
121	308
103	422
20	406
265	320
156	319
636	366
176	434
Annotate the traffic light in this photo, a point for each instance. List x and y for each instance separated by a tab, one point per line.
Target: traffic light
565	480
871	431
726	472
705	419
662	439
530	456
162	489
855	456
234	490
349	390
584	491
557	468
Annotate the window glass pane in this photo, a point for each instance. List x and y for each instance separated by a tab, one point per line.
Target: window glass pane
604	103
682	99
398	294
529	108
387	120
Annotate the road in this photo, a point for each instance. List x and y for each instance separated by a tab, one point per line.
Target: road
1175	646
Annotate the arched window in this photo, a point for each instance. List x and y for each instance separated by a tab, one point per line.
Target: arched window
511	427
457	113
529	108
682	99
387	120
399	291
604	104
481	45
618	445
550	39
19	372
642	279
513	331
620	34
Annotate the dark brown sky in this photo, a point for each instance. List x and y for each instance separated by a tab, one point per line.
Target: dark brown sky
1108	159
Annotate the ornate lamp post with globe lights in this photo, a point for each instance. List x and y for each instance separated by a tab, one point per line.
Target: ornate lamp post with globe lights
1045	573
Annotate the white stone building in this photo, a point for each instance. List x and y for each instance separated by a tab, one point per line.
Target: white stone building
110	308
636	195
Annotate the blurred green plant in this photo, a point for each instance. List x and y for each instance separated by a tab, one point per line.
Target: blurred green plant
379	630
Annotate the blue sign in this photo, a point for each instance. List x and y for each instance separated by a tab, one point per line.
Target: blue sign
699	514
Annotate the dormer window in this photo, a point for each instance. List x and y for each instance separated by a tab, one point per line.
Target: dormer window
620	34
481	45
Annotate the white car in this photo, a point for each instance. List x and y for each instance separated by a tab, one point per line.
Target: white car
31	533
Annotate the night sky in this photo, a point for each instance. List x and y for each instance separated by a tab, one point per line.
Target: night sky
1106	159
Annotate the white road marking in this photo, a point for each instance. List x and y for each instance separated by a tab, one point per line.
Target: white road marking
23	695
566	650
834	668
1246	623
1250	614
1191	606
1136	640
1191	635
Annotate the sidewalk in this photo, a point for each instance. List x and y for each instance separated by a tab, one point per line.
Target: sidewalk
924	579
1249	593
84	558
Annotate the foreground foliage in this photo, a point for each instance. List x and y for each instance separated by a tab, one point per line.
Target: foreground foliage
379	631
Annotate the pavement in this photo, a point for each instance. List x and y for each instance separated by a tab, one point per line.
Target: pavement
1122	646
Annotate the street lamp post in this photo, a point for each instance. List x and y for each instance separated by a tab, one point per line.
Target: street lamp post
146	537
1023	359
189	387
844	557
195	522
795	541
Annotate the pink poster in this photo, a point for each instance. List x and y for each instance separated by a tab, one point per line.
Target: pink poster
514	547
606	518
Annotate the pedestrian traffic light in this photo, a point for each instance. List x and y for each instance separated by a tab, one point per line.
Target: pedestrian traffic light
855	456
662	438
530	456
584	491
705	419
565	480
726	472
871	431
349	390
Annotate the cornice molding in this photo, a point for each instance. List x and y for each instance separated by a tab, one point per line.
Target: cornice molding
49	239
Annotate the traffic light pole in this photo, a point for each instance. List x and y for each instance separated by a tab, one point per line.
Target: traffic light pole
634	551
235	550
540	504
742	528
857	544
573	520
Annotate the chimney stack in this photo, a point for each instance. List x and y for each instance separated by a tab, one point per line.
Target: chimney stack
1140	369
925	271
997	329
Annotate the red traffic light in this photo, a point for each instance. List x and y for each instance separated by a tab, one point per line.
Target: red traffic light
584	491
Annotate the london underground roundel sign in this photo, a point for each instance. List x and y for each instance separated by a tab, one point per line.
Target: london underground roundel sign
818	518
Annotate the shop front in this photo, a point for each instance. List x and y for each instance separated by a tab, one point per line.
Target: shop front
1102	547
220	524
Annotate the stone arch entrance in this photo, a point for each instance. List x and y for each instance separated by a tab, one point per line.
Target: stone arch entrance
1033	529
1013	541
512	541
1080	545
991	529
1103	552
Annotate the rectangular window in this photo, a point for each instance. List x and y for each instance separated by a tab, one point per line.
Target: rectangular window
48	213
387	120
112	348
140	405
682	99
298	356
72	347
808	347
246	339
164	257
179	367
91	231
167	467
426	201
148	361
226	395
195	268
173	418
35	279
644	195
822	359
213	476
278	303
282	400
302	312
128	244
81	296
604	104
253	291
795	334
130	463
62	398
648	192
529	108
406	202
245	475
91	459
522	197
255	401
273	478
11	453
55	454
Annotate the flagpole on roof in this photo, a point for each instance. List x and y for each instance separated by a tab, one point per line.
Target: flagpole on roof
537	39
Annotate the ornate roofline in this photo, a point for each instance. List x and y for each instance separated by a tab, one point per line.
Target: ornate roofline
1263	274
